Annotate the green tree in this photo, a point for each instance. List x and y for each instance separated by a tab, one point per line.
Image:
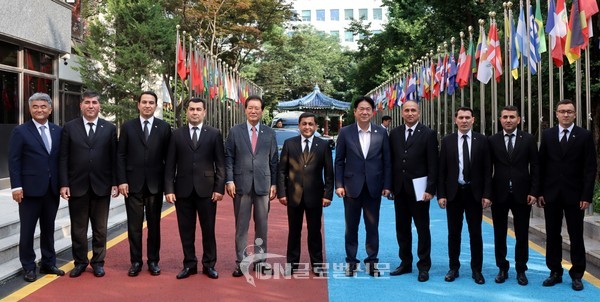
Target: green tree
128	44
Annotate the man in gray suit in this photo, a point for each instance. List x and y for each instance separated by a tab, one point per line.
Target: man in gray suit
251	166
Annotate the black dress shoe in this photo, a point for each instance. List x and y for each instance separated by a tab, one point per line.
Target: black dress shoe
577	284
237	272
401	270
52	270
501	277
135	269
478	277
210	272
319	271
554	279
98	271
30	276
153	268
186	272
423	276
372	270
351	270
77	270
522	279
451	275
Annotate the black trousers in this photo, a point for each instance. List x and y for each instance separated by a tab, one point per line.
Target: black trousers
407	210
314	241
32	209
135	205
574	217
89	208
369	206
464	203
187	208
521	211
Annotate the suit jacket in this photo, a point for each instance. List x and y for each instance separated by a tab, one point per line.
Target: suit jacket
302	180
415	159
521	168
481	171
197	168
29	164
140	161
352	170
245	168
88	163
573	172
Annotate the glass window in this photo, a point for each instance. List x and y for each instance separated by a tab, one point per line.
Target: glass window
9	98
335	33
363	14
32	85
70	95
348	36
348	14
377	14
8	54
306	15
334	15
38	61
320	15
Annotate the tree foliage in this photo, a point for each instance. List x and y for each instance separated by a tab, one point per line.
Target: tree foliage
128	44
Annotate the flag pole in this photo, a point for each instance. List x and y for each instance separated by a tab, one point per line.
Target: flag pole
481	88
439	98
494	86
444	78
462	89
588	95
527	49
432	107
511	89
174	104
506	6
578	120
453	42
471	29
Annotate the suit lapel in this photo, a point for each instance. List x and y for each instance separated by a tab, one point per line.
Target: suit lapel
187	136
516	144
31	127
246	137
571	139
55	139
203	134
313	149
375	139
140	132
83	131
354	138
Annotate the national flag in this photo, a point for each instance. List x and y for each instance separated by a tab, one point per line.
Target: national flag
534	54
462	76
444	73
452	71
412	88
557	30
401	93
514	52
437	77
588	9
484	67
575	38
541	38
181	64
521	34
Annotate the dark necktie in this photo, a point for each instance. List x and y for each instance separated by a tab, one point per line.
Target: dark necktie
45	138
146	131
510	146
466	160
91	132
409	135
563	140
306	150
195	136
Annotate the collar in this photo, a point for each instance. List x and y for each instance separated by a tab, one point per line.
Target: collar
514	132
38	125
249	127
310	139
414	127
151	120
85	121
360	130
570	128
469	134
190	126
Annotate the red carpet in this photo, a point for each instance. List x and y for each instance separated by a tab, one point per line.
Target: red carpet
117	286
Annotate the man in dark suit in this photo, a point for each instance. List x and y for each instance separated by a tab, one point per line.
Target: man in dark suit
386	123
88	176
414	158
251	164
305	159
515	184
363	173
464	188
142	151
195	182
33	168
568	174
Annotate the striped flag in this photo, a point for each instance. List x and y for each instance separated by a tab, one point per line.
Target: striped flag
534	54
514	51
462	76
541	38
484	68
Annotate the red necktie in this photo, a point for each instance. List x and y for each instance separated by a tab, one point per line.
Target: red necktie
254	139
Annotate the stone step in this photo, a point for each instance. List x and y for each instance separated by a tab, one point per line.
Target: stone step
10	225
9	254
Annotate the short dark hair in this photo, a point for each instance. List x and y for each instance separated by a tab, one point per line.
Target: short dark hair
196	100
150	93
386	118
364	98
255	98
510	108
89	94
566	102
463	109
307	115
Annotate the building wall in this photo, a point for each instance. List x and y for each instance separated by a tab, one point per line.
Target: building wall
322	8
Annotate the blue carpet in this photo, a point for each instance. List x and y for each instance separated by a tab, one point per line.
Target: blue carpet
406	287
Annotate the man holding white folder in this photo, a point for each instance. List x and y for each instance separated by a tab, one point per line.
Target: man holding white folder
414	164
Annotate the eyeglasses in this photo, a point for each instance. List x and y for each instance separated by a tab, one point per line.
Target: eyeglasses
568	112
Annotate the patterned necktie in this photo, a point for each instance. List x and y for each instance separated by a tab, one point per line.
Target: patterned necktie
195	136
510	146
146	131
91	132
45	138
466	160
254	139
